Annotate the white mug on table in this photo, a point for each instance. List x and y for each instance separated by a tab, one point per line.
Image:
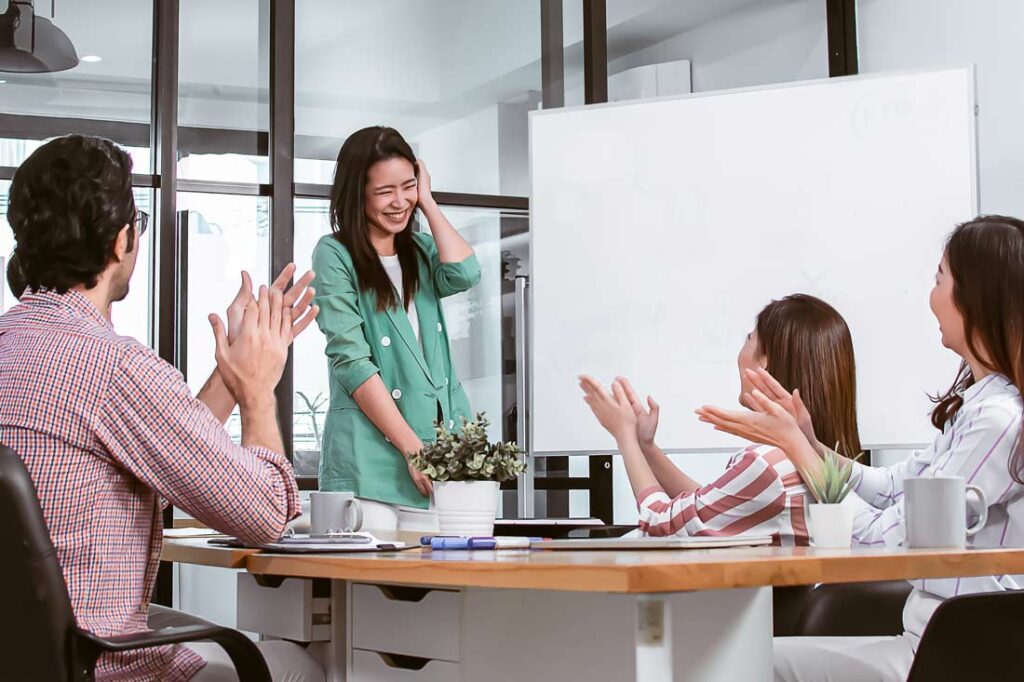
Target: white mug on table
936	511
329	511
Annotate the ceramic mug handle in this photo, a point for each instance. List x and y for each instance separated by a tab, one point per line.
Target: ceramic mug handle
982	509
353	503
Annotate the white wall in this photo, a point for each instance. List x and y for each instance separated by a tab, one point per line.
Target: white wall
914	34
770	42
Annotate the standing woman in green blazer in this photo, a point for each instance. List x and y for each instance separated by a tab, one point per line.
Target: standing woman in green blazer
379	288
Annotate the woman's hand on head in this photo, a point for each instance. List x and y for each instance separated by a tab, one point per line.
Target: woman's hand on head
767	423
426	196
613	410
791	402
646	417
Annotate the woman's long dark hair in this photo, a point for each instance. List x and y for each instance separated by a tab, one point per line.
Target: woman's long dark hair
986	261
361	150
807	346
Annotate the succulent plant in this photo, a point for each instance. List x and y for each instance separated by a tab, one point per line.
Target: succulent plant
467	455
830	484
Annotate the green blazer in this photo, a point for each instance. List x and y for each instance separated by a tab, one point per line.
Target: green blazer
362	342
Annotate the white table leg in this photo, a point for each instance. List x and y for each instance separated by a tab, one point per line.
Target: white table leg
722	635
654	639
334	655
714	636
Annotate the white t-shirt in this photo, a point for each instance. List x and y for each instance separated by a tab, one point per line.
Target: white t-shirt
394	270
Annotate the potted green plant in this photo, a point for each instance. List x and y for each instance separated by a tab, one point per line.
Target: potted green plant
831	520
467	471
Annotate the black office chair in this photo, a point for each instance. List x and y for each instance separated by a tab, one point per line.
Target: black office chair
854	610
40	639
787	605
973	637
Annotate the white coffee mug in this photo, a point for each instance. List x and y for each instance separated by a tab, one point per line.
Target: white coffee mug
936	511
329	511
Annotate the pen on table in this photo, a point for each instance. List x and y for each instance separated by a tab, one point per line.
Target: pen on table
425	540
443	542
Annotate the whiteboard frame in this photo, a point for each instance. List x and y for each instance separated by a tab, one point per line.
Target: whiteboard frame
969	70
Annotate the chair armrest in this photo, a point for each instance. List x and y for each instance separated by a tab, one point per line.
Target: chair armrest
244	654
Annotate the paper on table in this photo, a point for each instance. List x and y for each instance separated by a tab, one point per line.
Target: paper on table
190	532
351	542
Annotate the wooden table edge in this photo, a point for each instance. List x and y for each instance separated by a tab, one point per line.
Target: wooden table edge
726	573
197	552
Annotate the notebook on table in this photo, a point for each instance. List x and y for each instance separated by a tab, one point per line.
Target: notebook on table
319	544
701	542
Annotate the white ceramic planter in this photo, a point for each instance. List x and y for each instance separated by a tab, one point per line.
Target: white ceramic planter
466	507
831	526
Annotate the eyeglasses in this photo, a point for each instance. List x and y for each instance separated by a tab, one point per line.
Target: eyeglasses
140	222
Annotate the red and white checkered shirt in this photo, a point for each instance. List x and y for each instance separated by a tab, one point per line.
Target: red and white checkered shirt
107	429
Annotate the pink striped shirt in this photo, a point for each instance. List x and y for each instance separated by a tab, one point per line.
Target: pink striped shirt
106	428
760	493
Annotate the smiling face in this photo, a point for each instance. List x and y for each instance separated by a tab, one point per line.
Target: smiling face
951	321
390	196
749	358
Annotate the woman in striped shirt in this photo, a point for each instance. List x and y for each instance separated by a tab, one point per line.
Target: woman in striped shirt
978	304
799	338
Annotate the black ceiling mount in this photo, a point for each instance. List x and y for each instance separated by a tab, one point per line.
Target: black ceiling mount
32	44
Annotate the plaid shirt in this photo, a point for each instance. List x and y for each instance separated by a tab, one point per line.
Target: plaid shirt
106	428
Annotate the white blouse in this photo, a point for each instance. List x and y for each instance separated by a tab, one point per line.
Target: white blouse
976	444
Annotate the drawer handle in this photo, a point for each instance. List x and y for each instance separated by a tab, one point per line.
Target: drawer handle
403	593
403	662
270	581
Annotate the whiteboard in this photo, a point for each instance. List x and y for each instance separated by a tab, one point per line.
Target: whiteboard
661	228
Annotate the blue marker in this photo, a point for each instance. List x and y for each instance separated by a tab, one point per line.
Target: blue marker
442	543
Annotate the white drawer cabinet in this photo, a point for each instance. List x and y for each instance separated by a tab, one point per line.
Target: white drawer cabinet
372	666
408	621
290	610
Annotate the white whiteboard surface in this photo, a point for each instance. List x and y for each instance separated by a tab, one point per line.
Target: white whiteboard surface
661	228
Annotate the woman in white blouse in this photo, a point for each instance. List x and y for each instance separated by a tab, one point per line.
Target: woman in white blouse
978	300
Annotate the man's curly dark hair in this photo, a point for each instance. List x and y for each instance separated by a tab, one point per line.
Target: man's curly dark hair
67	203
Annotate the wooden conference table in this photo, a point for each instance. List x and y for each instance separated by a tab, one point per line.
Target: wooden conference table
568	615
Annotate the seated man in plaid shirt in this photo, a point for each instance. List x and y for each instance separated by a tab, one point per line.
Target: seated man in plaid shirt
108	430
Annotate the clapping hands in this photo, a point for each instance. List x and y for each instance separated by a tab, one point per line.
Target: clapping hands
298	298
776	417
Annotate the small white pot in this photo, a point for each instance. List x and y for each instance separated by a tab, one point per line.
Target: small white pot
466	507
831	526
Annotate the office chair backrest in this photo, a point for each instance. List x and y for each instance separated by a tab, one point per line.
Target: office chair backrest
38	621
854	610
973	637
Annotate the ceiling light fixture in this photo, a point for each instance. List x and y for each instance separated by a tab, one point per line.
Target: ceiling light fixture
32	44
91	58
